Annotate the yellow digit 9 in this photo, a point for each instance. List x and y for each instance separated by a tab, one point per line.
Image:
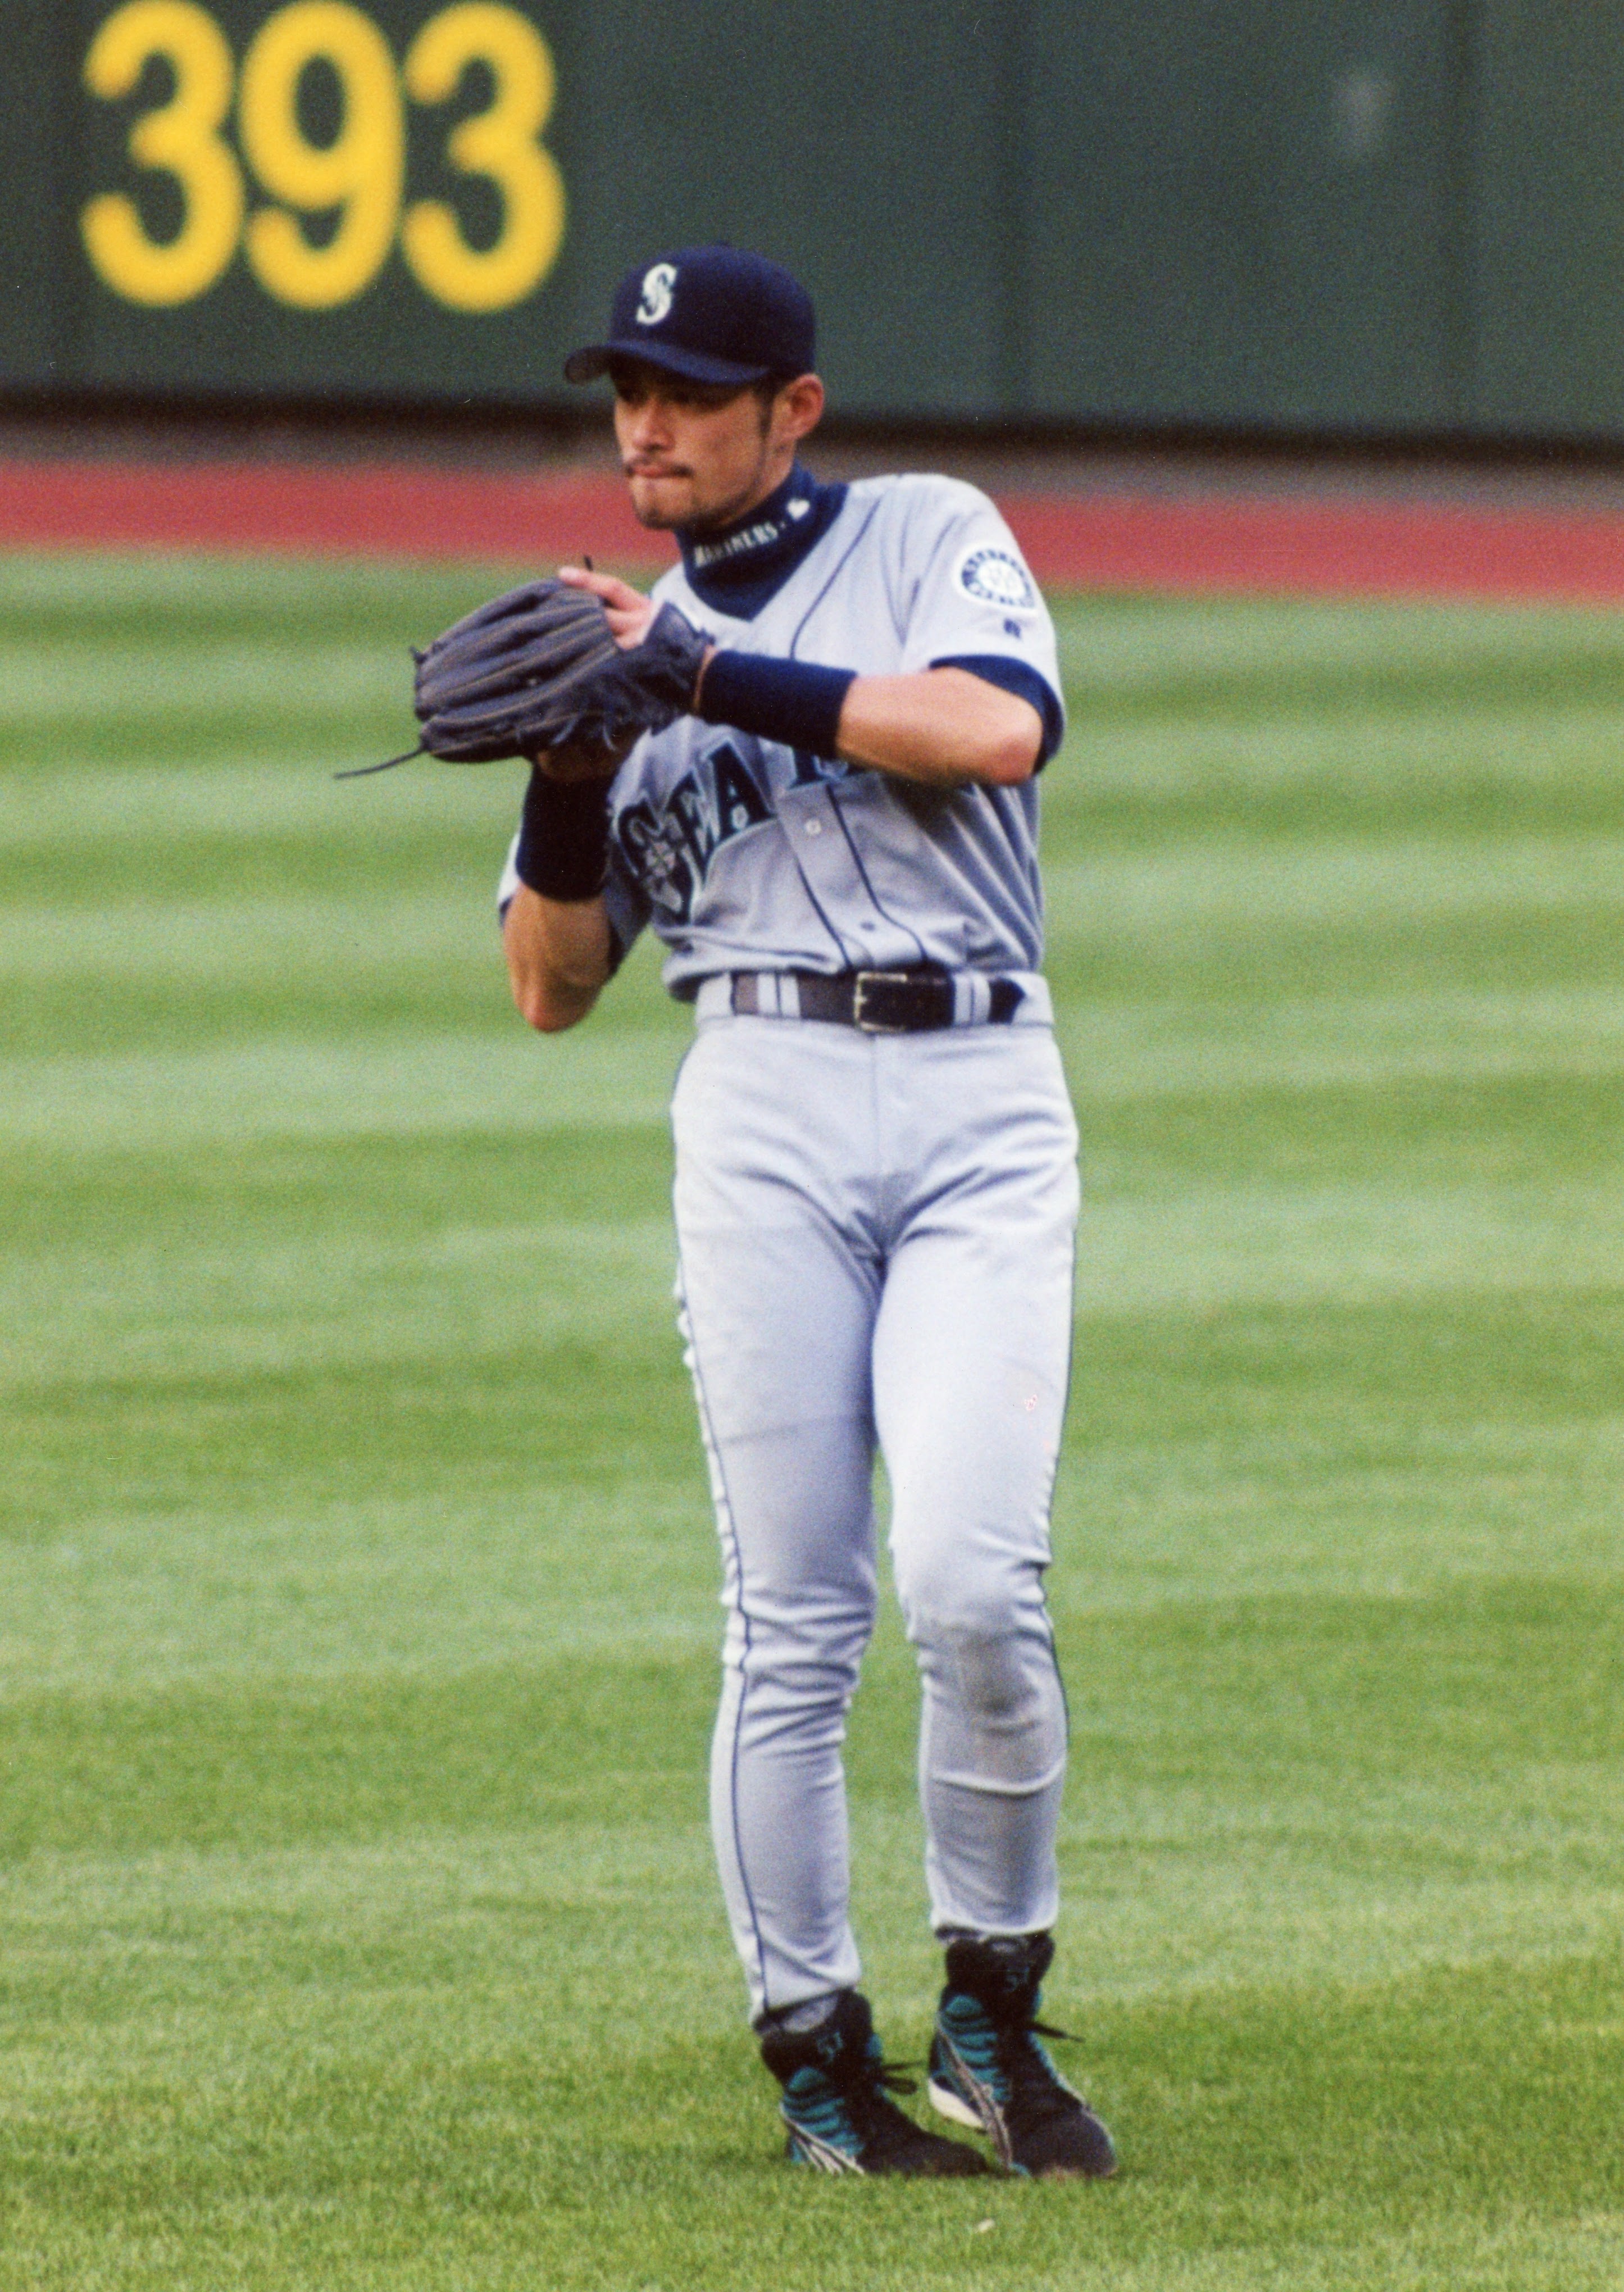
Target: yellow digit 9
500	143
361	172
182	138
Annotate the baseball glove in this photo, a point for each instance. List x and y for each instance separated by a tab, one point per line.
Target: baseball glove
539	670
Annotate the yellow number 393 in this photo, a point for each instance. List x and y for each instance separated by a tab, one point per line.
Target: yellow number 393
359	177
183	138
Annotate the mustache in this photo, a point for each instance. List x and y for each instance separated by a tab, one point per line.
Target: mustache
637	468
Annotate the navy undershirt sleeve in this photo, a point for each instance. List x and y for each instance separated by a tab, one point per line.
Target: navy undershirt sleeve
563	837
1018	677
797	702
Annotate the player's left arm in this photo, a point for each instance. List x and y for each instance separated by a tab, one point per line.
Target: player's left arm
943	727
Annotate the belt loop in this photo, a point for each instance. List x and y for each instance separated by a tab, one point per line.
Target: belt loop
765	995
971	998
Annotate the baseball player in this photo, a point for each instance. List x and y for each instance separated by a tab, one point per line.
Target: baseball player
876	1188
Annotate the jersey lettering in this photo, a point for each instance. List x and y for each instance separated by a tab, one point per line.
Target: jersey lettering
813	771
670	851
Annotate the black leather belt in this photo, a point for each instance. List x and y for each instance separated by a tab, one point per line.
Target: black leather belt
879	1002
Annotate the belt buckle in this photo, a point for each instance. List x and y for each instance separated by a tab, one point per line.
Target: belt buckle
868	988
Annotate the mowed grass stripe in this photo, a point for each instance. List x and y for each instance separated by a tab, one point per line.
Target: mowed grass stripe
357	1586
165	1312
1492	761
1184	651
48	681
1488	1846
297	940
1273	773
487	1080
159	1599
177	1311
405	1084
1330	1049
235	801
420	1510
1212	884
1231	884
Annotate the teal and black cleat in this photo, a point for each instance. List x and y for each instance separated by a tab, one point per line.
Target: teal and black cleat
837	2102
989	2069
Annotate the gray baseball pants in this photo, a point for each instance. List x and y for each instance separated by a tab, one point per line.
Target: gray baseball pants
876	1238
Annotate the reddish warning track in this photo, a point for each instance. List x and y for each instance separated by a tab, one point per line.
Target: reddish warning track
1238	544
304	508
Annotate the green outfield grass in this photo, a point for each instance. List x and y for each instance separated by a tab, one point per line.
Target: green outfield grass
357	1589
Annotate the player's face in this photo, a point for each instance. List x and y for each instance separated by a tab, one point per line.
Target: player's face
700	457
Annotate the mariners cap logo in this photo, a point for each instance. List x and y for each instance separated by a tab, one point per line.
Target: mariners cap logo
996	576
659	288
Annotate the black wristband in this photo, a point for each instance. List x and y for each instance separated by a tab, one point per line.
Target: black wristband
563	837
796	701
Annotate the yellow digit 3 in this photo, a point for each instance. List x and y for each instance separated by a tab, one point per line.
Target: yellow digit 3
361	172
500	143
183	139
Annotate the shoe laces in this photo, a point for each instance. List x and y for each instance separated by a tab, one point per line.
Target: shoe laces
866	2091
1037	2093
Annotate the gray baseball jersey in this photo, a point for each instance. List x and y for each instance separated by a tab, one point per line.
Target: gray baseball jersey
745	855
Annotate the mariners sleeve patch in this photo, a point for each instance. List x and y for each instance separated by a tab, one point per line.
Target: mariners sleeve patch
997	577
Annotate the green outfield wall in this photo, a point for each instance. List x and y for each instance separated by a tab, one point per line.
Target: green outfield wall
1398	216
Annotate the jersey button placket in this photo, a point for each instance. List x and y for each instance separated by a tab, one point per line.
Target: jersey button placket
831	873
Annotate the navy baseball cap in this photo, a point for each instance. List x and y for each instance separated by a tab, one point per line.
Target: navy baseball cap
714	314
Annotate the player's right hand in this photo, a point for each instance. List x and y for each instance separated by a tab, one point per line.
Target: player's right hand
630	613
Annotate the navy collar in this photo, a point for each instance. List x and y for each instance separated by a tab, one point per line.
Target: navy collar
740	569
